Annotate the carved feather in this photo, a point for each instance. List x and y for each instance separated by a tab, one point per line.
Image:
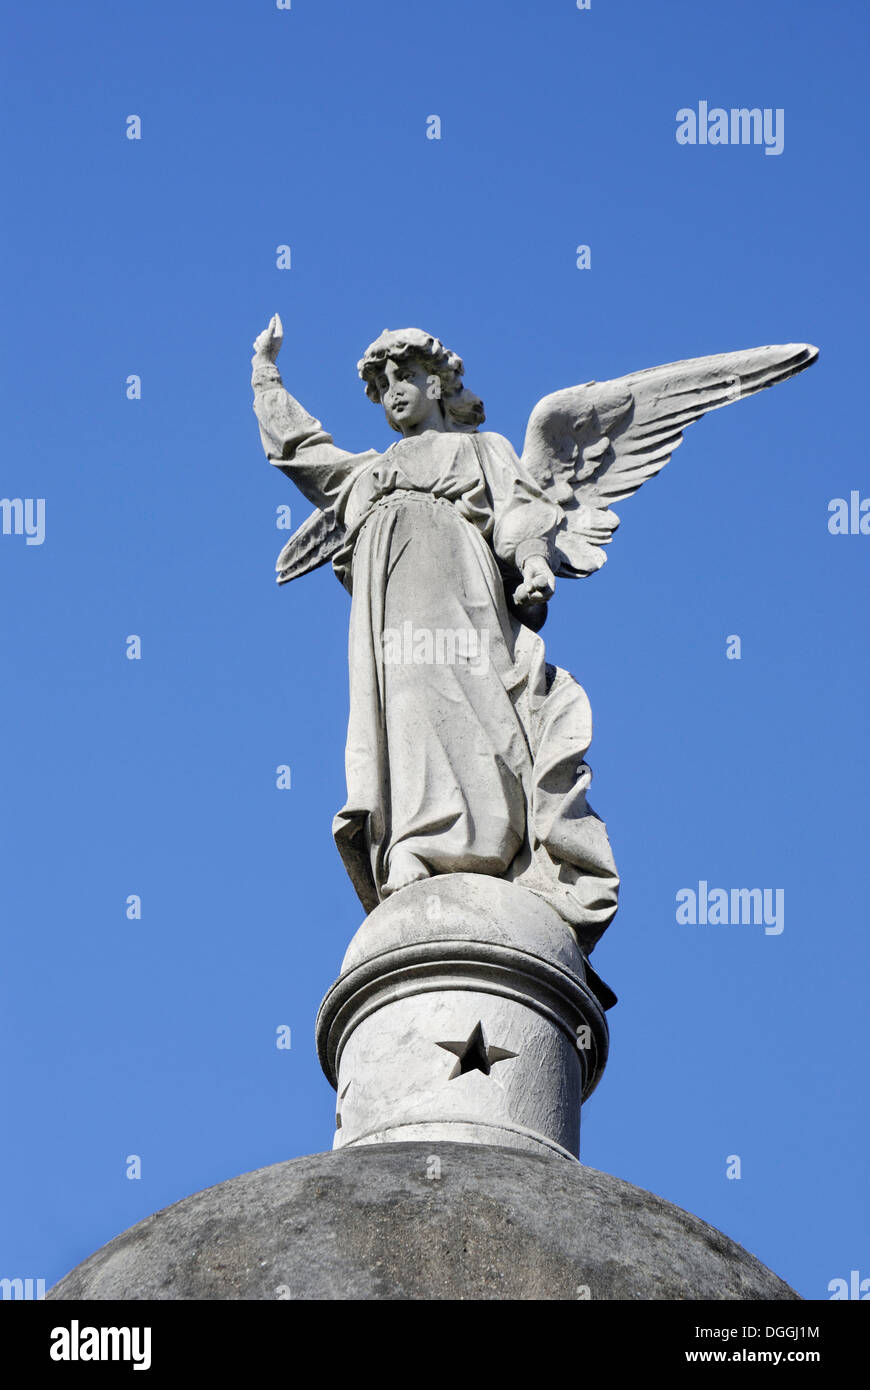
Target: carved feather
591	445
312	545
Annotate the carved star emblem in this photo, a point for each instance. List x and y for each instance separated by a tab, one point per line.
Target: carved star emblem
475	1054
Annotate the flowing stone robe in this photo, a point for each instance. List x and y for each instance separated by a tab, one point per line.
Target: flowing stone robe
465	749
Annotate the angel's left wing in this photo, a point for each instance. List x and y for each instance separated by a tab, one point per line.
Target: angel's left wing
314	543
591	445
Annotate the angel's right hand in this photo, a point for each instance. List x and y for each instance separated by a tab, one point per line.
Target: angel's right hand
268	343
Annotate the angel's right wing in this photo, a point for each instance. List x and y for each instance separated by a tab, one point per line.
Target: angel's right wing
315	543
591	445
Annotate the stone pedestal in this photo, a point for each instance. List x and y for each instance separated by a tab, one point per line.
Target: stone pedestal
467	1025
463	1012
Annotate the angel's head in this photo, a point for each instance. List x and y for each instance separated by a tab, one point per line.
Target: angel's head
419	383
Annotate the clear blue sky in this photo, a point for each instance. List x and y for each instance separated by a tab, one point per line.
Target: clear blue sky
262	127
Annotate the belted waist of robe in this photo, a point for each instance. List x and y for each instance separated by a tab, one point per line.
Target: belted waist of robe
400	497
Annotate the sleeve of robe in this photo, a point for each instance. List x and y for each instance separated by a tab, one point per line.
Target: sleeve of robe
524	521
297	443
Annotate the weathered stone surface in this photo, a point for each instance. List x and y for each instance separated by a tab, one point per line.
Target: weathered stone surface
462	1013
466	751
378	1223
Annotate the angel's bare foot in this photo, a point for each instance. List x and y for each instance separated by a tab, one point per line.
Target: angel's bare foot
405	869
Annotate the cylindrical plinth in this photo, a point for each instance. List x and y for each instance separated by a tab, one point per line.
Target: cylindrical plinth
462	1013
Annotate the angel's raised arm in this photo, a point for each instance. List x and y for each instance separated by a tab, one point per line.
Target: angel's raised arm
293	440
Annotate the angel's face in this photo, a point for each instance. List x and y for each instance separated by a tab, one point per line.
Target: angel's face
410	396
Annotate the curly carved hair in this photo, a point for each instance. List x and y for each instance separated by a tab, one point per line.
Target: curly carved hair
462	409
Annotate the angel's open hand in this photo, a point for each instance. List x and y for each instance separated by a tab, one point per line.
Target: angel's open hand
539	582
268	344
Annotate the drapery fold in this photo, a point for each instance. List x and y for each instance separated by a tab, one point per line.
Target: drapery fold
465	749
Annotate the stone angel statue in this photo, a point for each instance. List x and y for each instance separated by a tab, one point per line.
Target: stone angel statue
465	749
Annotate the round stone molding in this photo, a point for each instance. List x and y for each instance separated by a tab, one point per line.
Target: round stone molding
462	1013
